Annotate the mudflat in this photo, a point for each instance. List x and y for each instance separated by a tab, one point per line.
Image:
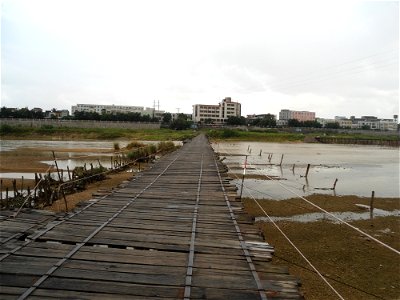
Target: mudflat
355	265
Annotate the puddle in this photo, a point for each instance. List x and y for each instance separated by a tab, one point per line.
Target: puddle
345	216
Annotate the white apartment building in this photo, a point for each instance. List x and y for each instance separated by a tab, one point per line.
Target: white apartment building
286	114
113	109
217	113
358	123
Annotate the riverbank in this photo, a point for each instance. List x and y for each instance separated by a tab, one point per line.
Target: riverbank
67	133
356	266
48	132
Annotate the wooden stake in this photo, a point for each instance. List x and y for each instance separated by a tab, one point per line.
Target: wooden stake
334	185
69	175
294	165
58	171
308	169
280	164
244	173
371	205
260	152
6	197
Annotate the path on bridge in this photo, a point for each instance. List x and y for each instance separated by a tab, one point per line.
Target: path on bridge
174	232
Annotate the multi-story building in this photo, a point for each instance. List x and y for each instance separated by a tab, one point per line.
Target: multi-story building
286	114
369	122
217	114
113	109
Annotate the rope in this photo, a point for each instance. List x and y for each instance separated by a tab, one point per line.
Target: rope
297	249
337	218
332	215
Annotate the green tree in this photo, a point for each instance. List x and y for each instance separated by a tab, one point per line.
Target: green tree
233	120
334	125
167	118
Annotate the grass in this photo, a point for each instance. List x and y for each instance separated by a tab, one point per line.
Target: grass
163	134
67	133
239	135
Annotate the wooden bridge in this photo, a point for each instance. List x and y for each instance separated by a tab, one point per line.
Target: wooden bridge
176	231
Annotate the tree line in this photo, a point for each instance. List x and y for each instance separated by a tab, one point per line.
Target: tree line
181	121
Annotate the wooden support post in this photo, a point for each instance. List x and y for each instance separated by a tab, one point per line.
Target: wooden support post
294	165
14	184
7	197
371	205
22	184
280	164
69	175
111	163
260	152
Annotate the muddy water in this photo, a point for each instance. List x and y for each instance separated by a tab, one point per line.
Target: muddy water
8	145
359	169
347	216
74	158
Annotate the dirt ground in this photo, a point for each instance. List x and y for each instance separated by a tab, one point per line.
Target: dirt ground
356	266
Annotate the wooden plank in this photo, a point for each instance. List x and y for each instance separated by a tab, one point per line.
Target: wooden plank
105	287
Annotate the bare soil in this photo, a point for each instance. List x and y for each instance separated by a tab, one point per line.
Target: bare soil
356	266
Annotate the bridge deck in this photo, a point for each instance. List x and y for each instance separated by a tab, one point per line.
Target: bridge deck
174	232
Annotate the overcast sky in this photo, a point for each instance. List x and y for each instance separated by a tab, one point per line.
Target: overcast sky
334	58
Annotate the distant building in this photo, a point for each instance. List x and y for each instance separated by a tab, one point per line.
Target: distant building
217	114
114	109
56	114
261	116
371	122
286	114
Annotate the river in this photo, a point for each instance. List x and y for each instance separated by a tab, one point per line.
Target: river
359	169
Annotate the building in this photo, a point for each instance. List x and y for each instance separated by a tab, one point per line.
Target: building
286	114
56	114
114	109
217	114
365	122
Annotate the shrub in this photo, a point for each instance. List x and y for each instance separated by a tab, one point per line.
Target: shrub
164	147
134	144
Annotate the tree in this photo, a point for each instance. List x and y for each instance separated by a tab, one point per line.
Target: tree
181	122
233	120
167	118
294	123
334	125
